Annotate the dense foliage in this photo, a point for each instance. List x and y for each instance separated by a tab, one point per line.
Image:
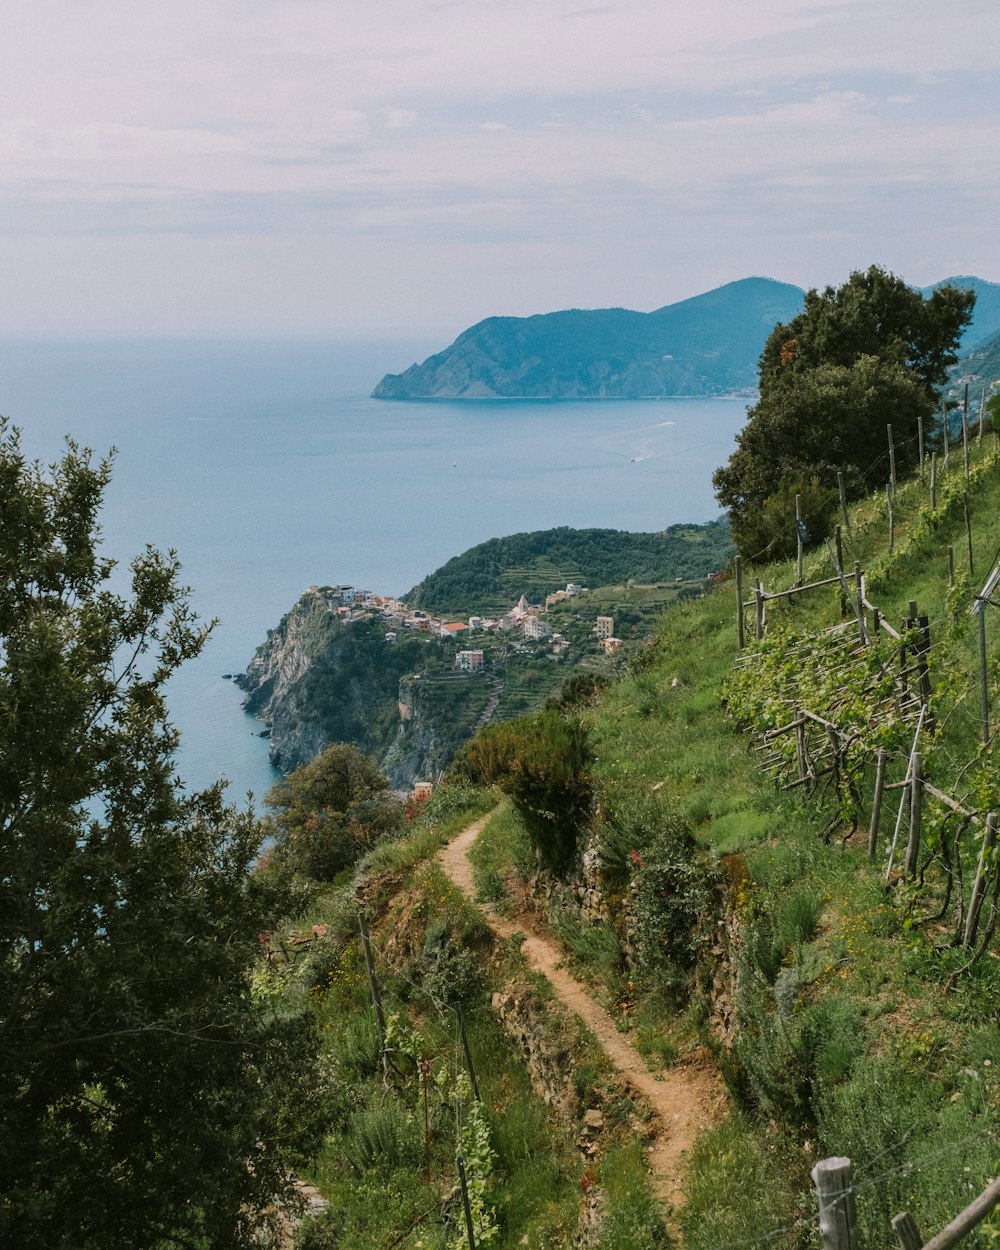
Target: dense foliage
870	352
491	577
542	761
145	1100
326	814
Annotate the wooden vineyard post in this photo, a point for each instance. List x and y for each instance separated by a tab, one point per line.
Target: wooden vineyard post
843	499
946	430
800	745
966	1220
933	481
916	794
759	604
984	675
877	803
738	571
968	530
838	1219
468	1052
798	540
892	461
920	444
892	524
861	602
839	543
979	885
965	431
907	1232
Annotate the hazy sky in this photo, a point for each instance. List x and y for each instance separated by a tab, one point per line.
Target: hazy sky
408	167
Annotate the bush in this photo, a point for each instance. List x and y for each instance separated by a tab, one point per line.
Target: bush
542	762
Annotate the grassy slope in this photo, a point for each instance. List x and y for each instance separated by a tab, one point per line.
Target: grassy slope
872	1056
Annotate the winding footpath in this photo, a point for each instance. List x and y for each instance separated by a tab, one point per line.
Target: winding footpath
684	1098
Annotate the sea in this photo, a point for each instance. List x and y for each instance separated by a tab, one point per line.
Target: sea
267	468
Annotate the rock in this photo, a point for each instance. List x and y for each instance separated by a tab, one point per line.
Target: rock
593	1119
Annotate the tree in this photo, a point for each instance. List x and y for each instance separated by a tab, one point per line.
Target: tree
326	814
146	1101
543	762
860	356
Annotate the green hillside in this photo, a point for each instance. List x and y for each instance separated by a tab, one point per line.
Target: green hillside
742	921
491	576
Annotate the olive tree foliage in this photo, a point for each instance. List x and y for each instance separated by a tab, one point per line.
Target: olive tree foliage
326	814
146	1101
860	356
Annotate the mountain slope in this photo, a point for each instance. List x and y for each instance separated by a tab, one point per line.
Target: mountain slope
707	345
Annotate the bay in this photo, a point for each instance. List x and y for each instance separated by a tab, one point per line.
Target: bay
268	469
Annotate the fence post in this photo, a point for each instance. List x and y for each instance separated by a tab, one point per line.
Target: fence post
892	523
984	674
979	887
892	460
907	1233
843	499
965	430
933	481
839	543
861	602
798	540
877	803
838	1219
738	570
968	530
916	794
759	597
800	745
946	430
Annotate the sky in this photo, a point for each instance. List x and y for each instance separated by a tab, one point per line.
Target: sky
380	168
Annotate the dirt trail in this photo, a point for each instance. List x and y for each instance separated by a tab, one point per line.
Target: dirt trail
684	1098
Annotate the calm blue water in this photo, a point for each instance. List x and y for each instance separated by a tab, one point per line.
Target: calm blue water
268	469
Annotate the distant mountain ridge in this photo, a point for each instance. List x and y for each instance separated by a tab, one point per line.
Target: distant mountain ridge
702	346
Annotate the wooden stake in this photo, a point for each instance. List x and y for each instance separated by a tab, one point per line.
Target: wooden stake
946	429
892	527
839	544
892	460
966	1220
984	676
468	1052
861	602
738	570
907	1232
933	481
759	597
838	1218
916	793
979	886
798	540
965	431
843	499
968	530
877	802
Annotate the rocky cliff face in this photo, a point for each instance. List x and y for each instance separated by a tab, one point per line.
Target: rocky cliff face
321	678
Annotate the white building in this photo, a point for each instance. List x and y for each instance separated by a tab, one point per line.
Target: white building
535	627
605	627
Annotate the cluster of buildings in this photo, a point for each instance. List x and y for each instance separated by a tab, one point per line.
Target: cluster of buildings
524	618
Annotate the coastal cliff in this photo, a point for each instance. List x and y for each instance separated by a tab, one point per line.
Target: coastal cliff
325	675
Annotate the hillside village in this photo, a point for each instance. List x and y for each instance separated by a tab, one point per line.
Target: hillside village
526	619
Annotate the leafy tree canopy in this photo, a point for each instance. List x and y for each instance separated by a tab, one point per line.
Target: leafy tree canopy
860	356
326	814
146	1101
